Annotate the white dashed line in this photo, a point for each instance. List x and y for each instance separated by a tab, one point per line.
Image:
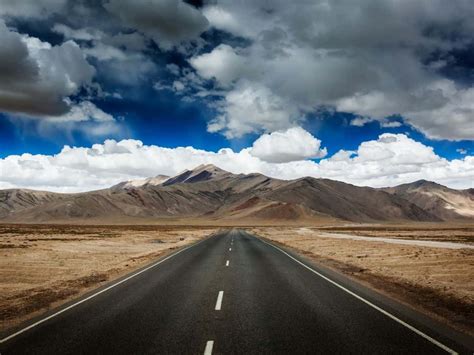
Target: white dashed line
208	349
220	296
230	249
227	263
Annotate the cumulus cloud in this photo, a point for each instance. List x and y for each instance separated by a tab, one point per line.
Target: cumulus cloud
372	59
222	64
37	78
167	22
389	160
251	107
285	146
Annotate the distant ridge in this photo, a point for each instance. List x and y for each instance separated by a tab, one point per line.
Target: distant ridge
210	193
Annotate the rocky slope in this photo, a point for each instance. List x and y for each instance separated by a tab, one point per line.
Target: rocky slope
437	199
214	194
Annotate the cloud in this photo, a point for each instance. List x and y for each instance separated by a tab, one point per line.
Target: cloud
81	34
360	121
37	78
389	160
375	59
251	107
385	123
31	8
285	146
223	20
222	64
83	111
167	22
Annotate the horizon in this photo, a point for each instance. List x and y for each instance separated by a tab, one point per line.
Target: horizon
198	167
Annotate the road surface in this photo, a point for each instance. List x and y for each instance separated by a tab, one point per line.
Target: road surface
229	294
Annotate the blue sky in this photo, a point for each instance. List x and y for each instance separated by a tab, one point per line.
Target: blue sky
213	75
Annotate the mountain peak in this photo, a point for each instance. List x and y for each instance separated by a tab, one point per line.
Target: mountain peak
209	167
423	183
130	184
200	173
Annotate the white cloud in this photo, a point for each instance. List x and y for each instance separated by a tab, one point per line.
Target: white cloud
178	85
223	20
251	108
360	121
167	22
390	160
222	64
285	146
367	59
83	111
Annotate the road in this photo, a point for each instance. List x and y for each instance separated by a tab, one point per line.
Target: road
229	294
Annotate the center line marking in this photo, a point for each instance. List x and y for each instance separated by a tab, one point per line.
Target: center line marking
220	296
227	263
230	249
208	349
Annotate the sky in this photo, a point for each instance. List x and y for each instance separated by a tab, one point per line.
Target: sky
373	93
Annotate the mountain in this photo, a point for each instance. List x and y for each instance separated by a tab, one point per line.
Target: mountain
437	199
17	200
200	173
130	184
210	193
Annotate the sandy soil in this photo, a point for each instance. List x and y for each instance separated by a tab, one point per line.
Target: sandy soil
43	266
437	281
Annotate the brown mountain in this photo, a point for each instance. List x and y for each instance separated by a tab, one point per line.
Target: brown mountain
211	193
437	199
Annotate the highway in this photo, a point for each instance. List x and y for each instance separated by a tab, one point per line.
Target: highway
231	293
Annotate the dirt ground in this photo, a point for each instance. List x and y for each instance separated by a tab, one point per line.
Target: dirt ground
42	266
438	281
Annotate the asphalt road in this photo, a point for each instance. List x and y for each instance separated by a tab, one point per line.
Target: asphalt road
231	294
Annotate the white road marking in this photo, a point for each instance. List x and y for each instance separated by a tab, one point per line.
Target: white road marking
209	346
11	336
220	296
230	249
227	263
412	328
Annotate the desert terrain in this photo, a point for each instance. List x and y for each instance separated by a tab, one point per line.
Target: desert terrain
429	267
42	266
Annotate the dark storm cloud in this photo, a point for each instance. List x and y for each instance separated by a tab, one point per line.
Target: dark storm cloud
168	22
37	77
260	65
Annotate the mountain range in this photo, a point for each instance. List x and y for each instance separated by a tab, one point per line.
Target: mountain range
210	193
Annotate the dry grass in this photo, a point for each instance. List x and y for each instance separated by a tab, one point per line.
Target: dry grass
436	281
42	266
